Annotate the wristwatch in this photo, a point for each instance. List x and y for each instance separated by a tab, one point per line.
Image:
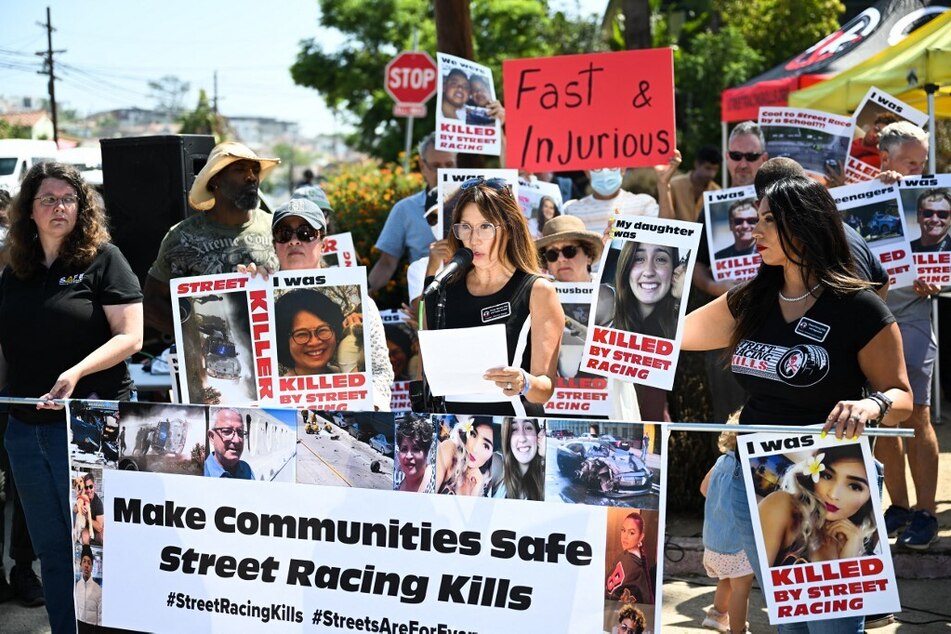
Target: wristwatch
884	404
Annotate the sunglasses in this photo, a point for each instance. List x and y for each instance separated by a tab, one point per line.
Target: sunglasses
498	184
569	252
749	156
304	233
941	213
90	486
744	221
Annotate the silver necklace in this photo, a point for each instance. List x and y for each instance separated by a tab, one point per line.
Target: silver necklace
801	297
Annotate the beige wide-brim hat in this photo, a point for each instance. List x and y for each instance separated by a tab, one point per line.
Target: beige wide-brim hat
223	155
565	228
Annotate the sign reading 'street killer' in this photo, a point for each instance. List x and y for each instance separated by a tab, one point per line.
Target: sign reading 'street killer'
590	111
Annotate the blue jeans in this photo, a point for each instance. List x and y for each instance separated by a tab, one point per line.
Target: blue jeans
38	458
744	531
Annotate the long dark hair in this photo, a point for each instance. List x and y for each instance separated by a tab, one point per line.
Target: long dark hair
811	235
627	315
530	486
540	211
83	242
498	206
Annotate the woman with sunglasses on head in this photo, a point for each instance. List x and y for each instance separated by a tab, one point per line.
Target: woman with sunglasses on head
70	314
314	323
503	286
805	335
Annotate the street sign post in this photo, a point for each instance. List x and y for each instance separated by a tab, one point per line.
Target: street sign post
410	78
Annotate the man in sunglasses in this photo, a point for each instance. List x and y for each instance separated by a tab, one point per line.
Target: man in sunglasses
746	152
226	435
742	217
230	230
96	510
904	151
934	219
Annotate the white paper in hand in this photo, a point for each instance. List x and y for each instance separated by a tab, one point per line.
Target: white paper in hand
455	359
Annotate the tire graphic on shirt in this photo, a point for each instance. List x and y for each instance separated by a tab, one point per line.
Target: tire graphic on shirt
803	365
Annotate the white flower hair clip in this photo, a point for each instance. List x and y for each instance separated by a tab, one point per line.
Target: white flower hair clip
814	467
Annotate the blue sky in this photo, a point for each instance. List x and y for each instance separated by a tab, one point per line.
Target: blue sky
113	48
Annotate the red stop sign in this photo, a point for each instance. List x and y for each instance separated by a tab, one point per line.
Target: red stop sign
410	77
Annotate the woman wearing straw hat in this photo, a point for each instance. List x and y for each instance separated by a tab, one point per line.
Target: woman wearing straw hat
568	250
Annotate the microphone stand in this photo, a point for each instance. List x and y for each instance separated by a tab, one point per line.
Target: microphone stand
437	404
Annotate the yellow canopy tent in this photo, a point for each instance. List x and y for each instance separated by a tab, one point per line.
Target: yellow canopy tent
925	54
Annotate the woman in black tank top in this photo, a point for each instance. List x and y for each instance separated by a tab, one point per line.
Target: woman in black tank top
503	286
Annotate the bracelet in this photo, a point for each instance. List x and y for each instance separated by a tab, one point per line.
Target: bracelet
884	404
527	386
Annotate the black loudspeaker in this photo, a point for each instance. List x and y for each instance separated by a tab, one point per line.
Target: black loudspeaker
145	187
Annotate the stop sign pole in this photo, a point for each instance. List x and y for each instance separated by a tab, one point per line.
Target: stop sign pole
410	79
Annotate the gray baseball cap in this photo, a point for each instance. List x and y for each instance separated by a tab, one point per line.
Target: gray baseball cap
314	194
304	208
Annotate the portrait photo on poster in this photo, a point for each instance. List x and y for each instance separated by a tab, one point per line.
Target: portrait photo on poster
926	203
630	564
465	116
465	457
316	333
817	520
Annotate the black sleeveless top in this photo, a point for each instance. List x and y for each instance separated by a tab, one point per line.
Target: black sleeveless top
509	306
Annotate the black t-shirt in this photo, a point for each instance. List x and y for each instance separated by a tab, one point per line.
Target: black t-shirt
95	506
508	306
795	373
53	320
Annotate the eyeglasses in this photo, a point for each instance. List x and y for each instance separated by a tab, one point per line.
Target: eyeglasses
227	433
304	233
90	486
749	156
303	336
485	231
498	184
744	221
52	201
941	213
569	252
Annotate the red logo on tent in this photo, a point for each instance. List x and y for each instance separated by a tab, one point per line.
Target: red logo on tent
839	43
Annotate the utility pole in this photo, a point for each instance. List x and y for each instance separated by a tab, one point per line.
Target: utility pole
48	70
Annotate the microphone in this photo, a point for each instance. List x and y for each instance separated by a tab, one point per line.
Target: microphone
459	263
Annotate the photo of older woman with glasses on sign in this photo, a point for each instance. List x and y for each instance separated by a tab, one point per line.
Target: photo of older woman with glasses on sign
298	231
503	286
70	314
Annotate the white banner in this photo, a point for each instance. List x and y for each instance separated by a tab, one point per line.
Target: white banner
864	161
338	250
812	138
295	531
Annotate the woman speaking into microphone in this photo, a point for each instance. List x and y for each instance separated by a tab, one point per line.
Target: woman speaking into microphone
503	286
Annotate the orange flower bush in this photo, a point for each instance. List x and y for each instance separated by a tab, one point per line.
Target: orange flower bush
362	195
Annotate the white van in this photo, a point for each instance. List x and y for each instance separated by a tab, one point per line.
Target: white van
17	156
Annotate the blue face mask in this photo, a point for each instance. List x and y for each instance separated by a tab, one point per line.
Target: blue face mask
606	182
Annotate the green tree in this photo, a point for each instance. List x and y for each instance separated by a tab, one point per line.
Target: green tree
779	29
292	158
11	131
203	120
351	78
713	62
